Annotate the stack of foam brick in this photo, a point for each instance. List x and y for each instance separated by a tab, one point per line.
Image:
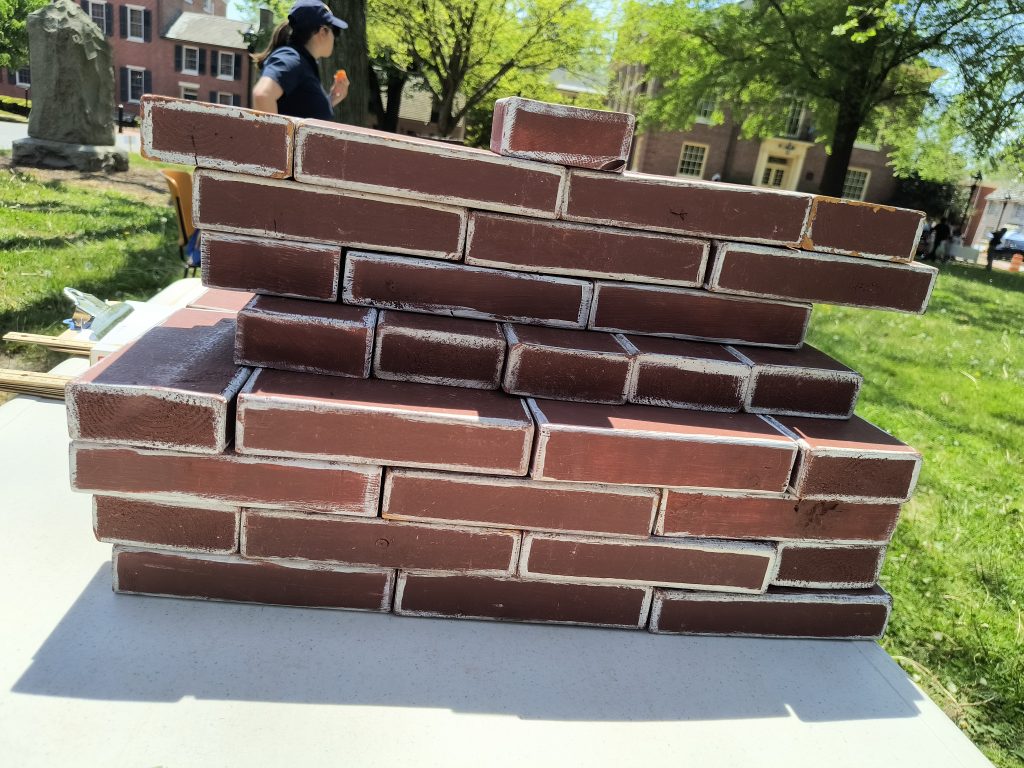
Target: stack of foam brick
517	384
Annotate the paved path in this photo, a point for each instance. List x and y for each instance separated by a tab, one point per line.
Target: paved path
11	131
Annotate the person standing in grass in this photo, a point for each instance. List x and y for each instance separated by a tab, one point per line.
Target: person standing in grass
289	82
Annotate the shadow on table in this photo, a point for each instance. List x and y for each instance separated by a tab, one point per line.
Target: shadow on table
131	648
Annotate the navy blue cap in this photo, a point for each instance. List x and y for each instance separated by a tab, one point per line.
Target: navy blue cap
313	14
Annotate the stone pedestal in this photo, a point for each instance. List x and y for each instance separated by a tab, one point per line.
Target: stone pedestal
41	153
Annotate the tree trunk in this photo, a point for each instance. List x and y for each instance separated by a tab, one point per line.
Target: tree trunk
351	54
848	123
396	85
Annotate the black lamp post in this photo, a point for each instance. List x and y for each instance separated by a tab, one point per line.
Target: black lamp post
970	199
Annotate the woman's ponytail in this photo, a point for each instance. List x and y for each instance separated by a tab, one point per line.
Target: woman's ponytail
282	36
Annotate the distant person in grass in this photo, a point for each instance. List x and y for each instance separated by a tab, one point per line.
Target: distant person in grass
289	81
993	245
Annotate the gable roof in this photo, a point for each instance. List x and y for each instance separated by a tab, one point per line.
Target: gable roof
208	30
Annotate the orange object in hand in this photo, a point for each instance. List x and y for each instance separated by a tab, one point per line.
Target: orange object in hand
340	76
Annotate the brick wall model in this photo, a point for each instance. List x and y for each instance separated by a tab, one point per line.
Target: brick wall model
444	382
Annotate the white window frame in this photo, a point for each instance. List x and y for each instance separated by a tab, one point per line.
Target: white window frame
702	104
23	83
797	109
131	71
220	59
703	162
230	98
102	4
182	87
864	189
184	57
142	23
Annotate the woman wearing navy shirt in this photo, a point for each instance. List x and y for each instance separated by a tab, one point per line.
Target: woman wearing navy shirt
289	82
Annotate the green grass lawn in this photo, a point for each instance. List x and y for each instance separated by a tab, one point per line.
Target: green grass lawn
54	235
951	383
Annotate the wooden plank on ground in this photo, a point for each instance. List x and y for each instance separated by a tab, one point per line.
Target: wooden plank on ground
33	383
68	346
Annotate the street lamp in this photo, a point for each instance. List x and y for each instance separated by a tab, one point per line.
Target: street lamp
1006	199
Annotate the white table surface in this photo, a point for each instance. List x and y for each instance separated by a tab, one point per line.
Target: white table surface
88	678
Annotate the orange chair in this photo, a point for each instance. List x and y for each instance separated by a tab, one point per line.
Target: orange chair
179	183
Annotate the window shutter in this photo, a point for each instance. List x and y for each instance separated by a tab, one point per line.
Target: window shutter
238	66
213	97
147	82
177	58
85	6
202	61
123	16
147	26
11	77
110	19
124	84
236	100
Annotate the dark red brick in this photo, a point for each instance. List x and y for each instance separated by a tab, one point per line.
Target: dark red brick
717	514
433	287
828	566
559	248
374	542
216	136
820	278
310	336
693	314
199	528
266	265
644	445
690	563
863	229
225	577
503	502
851	614
682	206
292	211
384	422
181	478
481	597
852	461
686	374
362	159
562	134
560	364
799	382
171	388
438	350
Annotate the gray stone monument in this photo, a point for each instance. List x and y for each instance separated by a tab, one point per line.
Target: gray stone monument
71	124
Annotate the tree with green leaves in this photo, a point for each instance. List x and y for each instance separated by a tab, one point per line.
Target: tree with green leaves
462	50
874	64
13	31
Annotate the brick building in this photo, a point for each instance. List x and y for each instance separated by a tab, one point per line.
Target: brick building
183	48
790	161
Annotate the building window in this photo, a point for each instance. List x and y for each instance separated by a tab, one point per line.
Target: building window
691	161
225	65
23	77
98	14
774	173
189	91
225	98
136	83
706	108
136	24
208	6
856	184
795	117
189	60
